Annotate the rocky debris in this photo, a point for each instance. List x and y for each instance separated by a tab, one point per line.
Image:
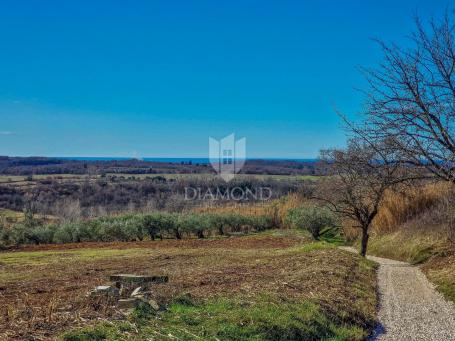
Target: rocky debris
128	303
136	291
145	296
129	291
154	304
106	290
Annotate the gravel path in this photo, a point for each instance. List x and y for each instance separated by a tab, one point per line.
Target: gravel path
409	306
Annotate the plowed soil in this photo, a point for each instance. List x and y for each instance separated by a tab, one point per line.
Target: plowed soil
43	289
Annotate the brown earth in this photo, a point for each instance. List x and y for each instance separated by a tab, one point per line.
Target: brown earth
43	289
233	242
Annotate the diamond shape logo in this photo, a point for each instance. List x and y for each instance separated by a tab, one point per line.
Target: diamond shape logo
227	156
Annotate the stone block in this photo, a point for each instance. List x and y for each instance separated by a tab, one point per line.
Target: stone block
104	290
128	303
128	278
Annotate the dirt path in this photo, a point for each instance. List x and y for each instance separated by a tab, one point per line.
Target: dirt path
410	308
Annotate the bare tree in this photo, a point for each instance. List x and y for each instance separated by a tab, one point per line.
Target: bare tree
359	177
68	210
411	99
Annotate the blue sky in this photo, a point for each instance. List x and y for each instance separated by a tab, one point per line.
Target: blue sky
157	78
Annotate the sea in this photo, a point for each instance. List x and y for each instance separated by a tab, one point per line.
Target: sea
193	160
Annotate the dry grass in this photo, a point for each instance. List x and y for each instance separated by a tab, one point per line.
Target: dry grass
417	224
420	207
408	202
276	209
43	292
441	271
9	218
432	251
406	245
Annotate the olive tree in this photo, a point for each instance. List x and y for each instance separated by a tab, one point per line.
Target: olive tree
314	219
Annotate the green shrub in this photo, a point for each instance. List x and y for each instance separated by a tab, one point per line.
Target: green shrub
312	218
133	227
151	225
16	235
184	300
99	332
69	233
3	237
218	223
261	223
41	234
142	312
170	223
235	222
196	224
124	230
88	231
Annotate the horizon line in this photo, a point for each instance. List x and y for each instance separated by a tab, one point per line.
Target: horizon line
155	157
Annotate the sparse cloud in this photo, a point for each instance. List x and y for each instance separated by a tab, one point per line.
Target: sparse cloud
6	133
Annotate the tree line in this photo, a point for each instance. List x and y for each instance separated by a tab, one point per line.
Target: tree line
43	165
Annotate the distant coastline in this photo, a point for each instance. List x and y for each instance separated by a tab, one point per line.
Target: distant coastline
194	160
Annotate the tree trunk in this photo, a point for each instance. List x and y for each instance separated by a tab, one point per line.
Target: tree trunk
365	236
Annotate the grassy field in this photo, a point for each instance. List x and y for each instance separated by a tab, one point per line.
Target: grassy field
23	178
9	217
270	286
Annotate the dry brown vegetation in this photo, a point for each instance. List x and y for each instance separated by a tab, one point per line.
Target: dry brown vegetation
278	208
408	202
422	206
43	288
417	224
